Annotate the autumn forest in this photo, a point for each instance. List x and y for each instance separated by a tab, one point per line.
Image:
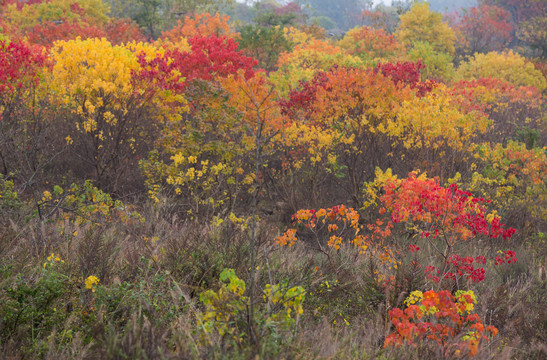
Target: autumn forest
186	179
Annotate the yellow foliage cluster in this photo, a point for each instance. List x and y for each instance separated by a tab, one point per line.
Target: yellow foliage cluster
56	10
94	79
296	36
318	142
512	176
508	66
92	75
435	120
422	24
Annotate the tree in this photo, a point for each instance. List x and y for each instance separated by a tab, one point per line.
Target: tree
438	65
532	32
371	44
47	33
516	111
201	150
43	22
202	24
382	17
26	17
520	10
264	44
21	123
515	178
485	28
120	31
276	15
307	59
422	24
92	79
340	122
507	66
435	127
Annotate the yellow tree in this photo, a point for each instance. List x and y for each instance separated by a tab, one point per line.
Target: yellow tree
438	65
507	66
435	127
515	178
422	24
93	80
200	153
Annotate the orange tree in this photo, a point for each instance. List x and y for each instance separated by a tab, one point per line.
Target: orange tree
347	121
440	320
372	44
200	25
308	57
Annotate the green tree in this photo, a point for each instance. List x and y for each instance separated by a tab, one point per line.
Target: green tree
264	44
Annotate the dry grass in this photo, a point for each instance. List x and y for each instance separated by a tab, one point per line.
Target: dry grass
151	276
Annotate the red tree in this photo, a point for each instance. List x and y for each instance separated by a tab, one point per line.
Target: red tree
210	57
120	31
485	28
521	10
407	73
48	32
19	71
